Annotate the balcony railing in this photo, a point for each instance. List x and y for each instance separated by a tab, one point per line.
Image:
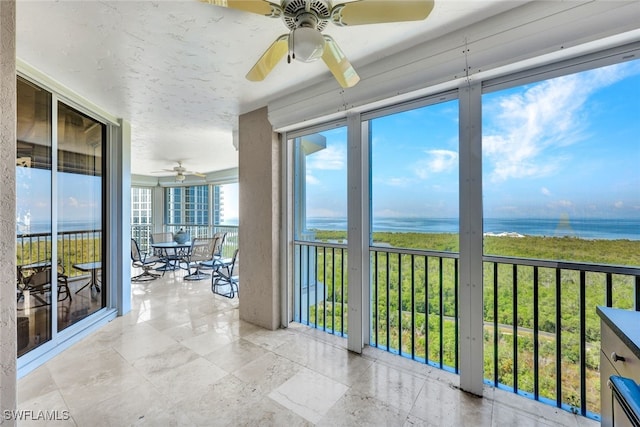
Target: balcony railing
541	330
74	247
320	286
414	307
542	333
142	234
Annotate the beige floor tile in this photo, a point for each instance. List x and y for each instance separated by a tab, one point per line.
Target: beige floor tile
444	405
390	385
241	329
267	372
225	403
339	364
85	391
267	412
413	421
355	408
46	409
506	416
208	342
309	394
166	360
189	381
140	341
37	383
270	340
235	355
141	405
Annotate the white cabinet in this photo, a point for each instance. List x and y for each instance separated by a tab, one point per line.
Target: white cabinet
619	355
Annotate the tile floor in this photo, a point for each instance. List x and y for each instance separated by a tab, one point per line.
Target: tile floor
182	357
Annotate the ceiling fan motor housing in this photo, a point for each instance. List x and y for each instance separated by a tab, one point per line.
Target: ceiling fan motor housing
295	11
306	20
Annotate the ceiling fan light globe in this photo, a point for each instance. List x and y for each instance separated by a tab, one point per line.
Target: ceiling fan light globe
307	44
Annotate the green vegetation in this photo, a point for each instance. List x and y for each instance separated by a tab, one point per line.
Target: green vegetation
416	326
70	251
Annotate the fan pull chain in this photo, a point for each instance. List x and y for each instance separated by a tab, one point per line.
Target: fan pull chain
291	54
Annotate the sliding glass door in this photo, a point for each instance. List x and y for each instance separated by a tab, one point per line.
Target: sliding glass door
79	195
34	216
60	190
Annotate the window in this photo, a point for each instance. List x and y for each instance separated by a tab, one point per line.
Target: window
560	182
560	164
414	205
225	203
320	214
321	185
187	205
414	178
141	206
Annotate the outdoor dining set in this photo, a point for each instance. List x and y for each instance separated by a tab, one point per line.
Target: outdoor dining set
201	257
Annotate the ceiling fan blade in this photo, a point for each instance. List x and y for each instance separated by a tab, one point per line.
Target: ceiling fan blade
338	64
255	6
379	11
269	59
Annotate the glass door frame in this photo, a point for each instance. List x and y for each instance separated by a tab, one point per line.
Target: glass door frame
62	339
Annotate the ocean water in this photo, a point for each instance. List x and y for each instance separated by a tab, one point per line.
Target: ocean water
608	229
36	227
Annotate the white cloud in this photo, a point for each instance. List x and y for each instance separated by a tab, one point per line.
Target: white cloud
562	204
437	161
549	114
545	191
73	202
331	158
312	180
324	213
618	205
398	182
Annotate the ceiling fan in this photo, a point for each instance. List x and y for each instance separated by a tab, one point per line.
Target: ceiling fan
181	172
306	19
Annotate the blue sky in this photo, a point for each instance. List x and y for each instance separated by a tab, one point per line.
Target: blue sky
568	146
79	201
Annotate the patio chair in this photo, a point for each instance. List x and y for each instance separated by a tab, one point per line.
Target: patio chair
39	286
160	238
170	257
226	282
222	236
142	260
216	260
200	255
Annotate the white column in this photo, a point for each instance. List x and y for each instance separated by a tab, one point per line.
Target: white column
119	202
287	235
470	291
260	213
8	340
158	209
358	234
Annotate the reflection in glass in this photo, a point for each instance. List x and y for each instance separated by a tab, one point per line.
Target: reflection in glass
321	186
79	196
33	199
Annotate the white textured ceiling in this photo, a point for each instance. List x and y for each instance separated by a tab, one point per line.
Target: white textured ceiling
175	69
